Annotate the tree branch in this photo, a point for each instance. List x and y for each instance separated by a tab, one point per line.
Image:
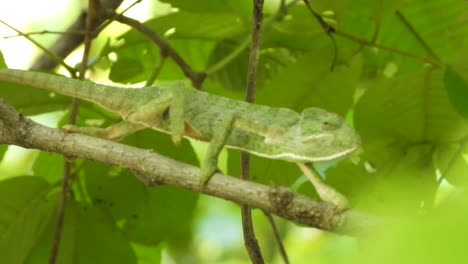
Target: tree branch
197	78
250	241
91	24
154	169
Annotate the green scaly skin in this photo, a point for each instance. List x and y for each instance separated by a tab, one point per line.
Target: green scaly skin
314	135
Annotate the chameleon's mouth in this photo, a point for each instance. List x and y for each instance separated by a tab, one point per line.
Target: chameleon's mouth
300	158
332	156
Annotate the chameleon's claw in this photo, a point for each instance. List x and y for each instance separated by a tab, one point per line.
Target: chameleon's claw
205	174
177	139
69	128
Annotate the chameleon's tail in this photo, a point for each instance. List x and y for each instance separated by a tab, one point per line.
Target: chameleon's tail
110	97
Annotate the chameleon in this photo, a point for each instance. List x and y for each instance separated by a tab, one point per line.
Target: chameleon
313	135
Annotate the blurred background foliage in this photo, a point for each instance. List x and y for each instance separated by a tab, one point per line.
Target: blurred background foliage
397	70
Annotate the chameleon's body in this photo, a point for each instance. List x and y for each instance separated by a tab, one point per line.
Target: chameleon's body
277	133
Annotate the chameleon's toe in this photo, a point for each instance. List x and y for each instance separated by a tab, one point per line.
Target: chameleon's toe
205	175
177	139
69	128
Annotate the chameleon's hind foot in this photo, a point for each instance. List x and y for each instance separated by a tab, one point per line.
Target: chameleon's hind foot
90	131
114	132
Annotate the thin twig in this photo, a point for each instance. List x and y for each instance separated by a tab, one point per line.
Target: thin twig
61	212
383	47
417	35
56	58
43	32
250	240
157	69
277	235
197	78
90	24
282	11
370	43
329	29
67	43
111	19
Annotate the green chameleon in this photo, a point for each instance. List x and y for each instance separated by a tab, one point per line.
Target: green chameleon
314	135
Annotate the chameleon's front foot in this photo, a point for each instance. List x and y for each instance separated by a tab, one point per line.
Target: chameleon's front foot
326	193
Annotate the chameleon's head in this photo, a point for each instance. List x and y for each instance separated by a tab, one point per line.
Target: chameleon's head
322	136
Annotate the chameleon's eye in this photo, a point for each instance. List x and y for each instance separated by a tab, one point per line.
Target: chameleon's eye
332	122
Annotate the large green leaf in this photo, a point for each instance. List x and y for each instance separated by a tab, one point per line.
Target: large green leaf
113	189
402	122
420	240
30	100
452	162
206	7
310	82
457	90
167	211
210	26
162	144
25	211
89	235
414	108
446	33
48	165
2	61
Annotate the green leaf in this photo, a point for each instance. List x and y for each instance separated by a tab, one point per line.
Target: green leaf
206	7
167	212
263	170
3	149
193	43
413	107
452	163
162	144
30	100
148	254
49	166
457	90
2	61
201	26
136	58
310	82
351	180
127	70
99	240
113	189
89	235
398	119
25	211
419	239
442	31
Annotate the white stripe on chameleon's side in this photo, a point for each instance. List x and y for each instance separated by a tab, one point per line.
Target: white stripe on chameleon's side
298	157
